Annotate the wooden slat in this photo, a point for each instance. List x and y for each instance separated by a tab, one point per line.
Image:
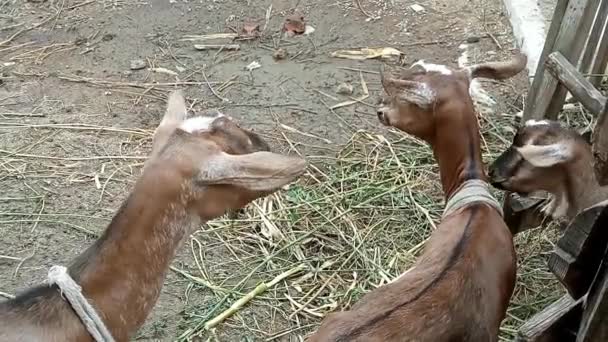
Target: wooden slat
589	52
594	323
554	29
578	253
574	29
601	59
557	322
599	147
580	88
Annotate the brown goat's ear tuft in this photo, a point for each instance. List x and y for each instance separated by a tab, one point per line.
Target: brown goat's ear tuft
499	70
546	155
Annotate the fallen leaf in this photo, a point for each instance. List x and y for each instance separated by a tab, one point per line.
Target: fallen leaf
367	53
250	29
294	24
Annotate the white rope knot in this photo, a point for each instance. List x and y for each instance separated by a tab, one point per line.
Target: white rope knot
471	191
73	293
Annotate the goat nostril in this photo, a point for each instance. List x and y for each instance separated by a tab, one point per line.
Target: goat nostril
381	115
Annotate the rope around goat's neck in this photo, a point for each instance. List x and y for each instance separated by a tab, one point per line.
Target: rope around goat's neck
474	190
73	293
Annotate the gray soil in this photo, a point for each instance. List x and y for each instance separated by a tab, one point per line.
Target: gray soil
71	109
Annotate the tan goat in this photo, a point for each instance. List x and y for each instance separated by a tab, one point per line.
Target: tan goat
199	168
459	288
546	156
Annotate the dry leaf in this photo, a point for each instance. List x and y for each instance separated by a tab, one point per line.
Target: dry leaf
294	24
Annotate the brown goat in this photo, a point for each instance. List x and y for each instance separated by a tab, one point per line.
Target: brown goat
459	288
198	169
547	156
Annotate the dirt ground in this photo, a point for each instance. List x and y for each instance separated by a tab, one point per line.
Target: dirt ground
75	120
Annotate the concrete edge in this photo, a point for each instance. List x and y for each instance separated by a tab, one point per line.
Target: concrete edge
528	26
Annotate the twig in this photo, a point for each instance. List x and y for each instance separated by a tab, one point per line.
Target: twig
492	37
209	36
252	294
293	130
362	10
205	47
223	99
23	155
84	3
6	295
25	29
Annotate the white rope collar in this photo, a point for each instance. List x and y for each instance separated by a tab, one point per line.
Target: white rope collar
73	293
471	191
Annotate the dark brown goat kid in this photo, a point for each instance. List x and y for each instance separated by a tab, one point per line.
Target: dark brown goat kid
199	168
459	288
547	156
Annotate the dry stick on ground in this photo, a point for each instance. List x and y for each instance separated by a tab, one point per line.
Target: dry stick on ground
6	295
25	29
252	294
362	10
205	47
223	99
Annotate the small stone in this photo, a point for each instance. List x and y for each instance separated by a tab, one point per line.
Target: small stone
253	65
345	89
417	8
279	54
473	39
108	36
138	64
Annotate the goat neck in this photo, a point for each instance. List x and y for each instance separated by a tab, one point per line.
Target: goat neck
123	272
581	188
456	147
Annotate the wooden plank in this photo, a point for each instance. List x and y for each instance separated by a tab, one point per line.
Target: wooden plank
557	322
594	323
550	40
582	89
595	34
578	253
601	59
574	29
599	147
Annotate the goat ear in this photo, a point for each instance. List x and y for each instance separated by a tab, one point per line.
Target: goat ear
420	94
258	171
498	70
546	155
176	109
174	116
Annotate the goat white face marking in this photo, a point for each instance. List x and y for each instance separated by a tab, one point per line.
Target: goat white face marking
199	123
440	68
